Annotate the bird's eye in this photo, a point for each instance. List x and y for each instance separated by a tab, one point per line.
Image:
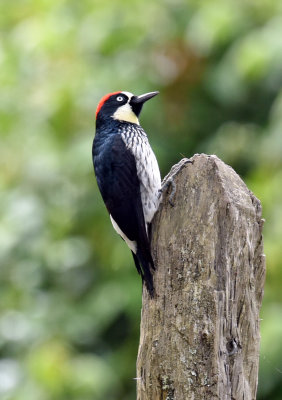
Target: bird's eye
120	98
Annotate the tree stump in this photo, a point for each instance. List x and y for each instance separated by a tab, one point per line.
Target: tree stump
200	336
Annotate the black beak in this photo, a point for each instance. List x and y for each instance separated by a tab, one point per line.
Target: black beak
137	102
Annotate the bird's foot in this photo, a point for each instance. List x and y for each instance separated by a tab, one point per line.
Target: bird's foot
169	179
165	186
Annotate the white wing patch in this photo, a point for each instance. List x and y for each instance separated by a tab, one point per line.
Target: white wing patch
130	243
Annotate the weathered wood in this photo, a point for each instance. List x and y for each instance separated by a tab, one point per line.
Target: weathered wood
200	336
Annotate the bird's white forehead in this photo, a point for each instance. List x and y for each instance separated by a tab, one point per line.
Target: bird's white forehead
128	94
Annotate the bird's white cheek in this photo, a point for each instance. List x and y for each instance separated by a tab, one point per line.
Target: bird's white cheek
125	113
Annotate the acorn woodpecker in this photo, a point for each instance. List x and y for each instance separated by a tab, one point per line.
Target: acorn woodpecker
127	174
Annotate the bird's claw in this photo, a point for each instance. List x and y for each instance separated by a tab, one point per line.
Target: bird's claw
165	186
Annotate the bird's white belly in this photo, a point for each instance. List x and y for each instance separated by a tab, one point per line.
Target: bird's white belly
147	170
150	184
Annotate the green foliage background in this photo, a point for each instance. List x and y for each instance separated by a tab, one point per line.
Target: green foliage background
70	295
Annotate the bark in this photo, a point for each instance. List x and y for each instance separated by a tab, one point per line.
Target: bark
200	336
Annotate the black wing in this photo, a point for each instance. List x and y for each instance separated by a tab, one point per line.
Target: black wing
120	188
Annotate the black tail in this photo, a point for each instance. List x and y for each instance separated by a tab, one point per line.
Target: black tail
144	266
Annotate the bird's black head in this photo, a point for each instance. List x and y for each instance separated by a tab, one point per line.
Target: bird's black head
122	106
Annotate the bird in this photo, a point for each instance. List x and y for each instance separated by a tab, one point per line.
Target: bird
128	174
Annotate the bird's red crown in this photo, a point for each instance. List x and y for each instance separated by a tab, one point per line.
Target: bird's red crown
103	101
